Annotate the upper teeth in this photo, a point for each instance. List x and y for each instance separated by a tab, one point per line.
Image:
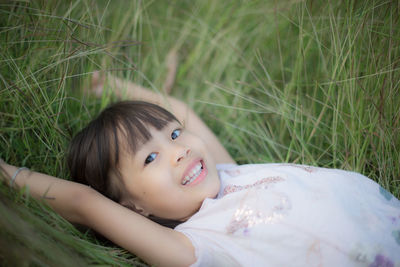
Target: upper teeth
193	174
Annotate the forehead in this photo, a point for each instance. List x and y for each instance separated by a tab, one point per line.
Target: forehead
133	142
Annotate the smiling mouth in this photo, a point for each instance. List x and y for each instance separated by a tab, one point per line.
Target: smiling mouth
194	173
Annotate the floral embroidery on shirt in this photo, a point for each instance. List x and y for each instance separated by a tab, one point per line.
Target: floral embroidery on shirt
263	182
360	254
314	256
381	261
306	168
394	219
249	215
360	257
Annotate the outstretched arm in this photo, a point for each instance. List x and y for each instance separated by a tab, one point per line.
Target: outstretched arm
80	204
62	195
183	112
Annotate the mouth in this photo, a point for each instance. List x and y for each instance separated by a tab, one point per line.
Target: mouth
196	173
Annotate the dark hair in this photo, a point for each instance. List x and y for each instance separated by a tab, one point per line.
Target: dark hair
94	152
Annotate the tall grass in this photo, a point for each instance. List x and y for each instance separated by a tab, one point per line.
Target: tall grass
279	81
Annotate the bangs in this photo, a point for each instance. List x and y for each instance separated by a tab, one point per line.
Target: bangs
131	120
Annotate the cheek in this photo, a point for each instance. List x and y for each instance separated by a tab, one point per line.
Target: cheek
195	142
201	146
157	182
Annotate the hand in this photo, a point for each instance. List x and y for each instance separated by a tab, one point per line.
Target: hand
97	83
172	64
6	170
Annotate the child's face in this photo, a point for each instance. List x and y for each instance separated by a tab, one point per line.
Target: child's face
170	175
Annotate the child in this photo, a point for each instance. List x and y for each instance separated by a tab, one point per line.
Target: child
174	170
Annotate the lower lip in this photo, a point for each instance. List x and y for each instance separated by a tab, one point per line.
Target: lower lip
201	176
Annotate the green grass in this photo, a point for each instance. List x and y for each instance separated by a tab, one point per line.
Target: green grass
279	81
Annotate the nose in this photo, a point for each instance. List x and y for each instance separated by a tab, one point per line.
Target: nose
181	153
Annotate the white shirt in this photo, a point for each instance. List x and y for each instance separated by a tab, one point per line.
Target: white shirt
295	215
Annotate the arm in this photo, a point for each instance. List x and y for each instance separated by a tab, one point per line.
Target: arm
62	195
183	112
78	203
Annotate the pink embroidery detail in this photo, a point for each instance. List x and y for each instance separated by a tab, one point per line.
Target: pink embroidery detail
306	168
263	182
249	215
314	253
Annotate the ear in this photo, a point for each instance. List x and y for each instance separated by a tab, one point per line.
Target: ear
135	207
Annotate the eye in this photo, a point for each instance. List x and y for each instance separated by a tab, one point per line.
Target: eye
175	134
150	158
